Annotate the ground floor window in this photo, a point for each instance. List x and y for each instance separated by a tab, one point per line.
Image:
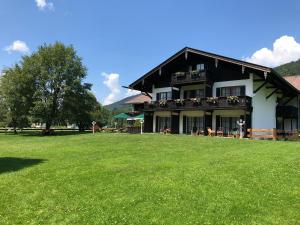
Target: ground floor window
228	124
194	124
163	123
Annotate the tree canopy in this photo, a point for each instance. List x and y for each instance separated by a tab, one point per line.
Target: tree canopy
47	87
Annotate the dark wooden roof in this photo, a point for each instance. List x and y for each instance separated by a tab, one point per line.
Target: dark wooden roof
274	75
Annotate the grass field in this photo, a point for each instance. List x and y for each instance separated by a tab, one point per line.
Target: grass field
148	179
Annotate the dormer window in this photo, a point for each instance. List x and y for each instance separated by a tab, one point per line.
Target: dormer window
200	67
197	67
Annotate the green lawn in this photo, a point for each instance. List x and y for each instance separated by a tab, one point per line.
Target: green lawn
148	179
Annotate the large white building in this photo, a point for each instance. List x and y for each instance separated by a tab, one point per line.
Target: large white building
195	90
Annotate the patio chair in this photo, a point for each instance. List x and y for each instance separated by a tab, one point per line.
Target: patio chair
211	132
194	131
200	132
220	132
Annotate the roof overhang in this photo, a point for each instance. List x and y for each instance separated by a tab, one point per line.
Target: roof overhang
265	71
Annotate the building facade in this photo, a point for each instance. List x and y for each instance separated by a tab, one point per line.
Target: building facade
194	90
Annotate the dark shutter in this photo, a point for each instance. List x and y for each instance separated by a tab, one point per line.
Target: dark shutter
185	94
243	90
157	97
184	124
218	92
218	119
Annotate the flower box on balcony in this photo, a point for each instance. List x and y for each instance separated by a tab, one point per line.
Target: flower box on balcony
196	101
212	100
162	103
179	102
233	100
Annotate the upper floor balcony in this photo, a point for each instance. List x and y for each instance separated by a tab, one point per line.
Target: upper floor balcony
208	103
189	77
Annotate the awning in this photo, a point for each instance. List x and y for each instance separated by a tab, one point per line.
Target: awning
123	116
138	117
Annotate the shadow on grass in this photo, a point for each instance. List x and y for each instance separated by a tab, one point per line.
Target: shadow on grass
12	164
40	134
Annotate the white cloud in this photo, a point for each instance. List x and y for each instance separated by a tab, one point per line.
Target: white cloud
17	46
131	92
112	82
285	49
43	4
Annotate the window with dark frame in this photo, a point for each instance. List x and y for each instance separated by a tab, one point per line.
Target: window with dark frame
198	93
163	96
231	91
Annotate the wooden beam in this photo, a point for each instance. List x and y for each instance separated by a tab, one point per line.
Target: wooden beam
243	69
186	55
260	87
258	80
216	63
147	94
273	92
159	71
290	99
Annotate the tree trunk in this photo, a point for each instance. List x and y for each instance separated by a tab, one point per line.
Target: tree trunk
81	127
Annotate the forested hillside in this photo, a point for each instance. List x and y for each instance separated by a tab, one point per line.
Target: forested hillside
289	69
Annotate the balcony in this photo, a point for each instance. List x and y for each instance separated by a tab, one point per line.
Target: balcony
189	77
287	111
209	103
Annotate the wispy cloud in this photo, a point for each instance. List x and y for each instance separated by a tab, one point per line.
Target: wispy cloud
116	92
111	81
285	49
44	4
17	46
131	92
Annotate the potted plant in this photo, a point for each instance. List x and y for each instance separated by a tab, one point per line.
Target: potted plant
179	102
162	103
212	100
233	99
196	101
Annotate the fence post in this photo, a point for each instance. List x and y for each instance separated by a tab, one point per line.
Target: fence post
250	133
274	134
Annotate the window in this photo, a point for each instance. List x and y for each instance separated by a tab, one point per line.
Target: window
163	123
164	96
231	91
228	124
197	67
199	93
193	124
200	67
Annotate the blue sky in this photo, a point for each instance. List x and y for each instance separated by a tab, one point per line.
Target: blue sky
121	40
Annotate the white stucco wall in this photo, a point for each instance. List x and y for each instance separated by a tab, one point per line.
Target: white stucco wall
246	82
264	110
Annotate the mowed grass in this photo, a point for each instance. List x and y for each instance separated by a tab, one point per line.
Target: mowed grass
148	179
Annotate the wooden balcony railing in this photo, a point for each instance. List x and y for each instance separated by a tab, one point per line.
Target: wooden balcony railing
189	77
209	103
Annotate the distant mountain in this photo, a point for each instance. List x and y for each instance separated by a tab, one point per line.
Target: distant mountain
289	69
120	105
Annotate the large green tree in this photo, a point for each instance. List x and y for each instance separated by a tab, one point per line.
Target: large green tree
58	72
47	86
